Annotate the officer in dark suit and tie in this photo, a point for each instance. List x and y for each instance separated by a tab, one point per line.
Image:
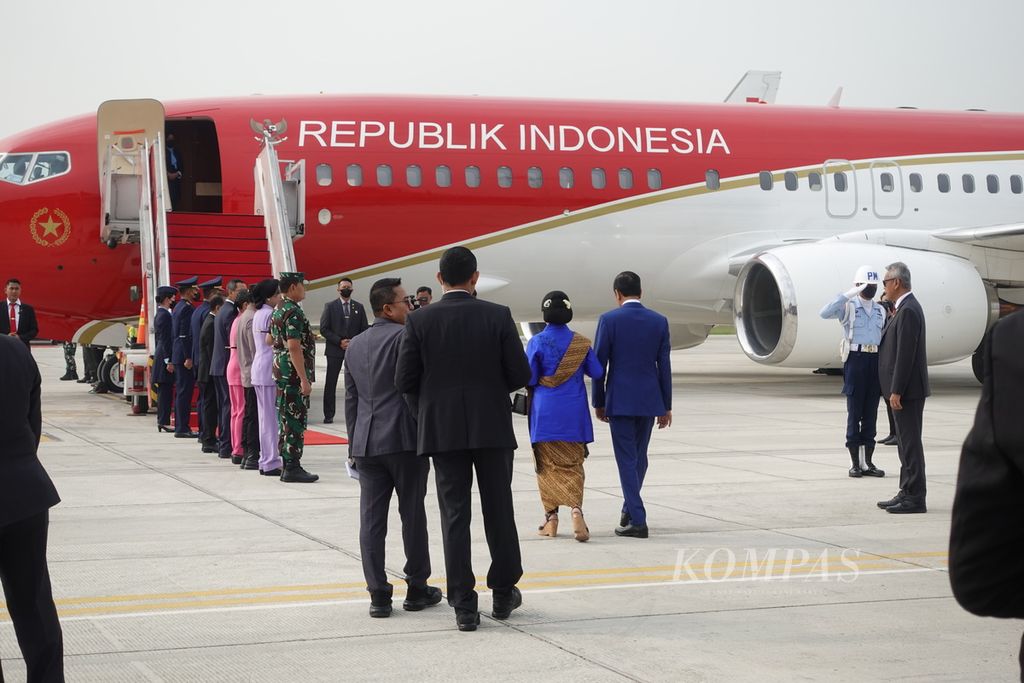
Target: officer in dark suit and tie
26	496
903	373
181	356
163	361
382	441
195	327
460	359
19	320
219	364
210	407
340	322
632	344
986	544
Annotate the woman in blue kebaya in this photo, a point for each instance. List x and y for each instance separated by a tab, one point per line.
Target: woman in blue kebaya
560	426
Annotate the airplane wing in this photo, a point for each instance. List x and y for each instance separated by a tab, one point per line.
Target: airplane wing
1009	236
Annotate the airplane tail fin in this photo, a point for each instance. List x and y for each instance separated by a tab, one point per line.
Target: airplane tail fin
759	87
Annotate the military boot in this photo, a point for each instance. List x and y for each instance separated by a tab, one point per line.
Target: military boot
855	471
871	470
294	473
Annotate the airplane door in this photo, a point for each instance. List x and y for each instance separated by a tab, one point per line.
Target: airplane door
840	188
886	189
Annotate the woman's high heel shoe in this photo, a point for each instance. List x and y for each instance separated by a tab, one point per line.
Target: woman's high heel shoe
550	525
164	428
579	527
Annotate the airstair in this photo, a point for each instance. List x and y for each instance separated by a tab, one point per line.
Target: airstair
174	245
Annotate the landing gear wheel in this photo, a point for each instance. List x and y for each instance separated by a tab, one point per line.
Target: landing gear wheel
109	373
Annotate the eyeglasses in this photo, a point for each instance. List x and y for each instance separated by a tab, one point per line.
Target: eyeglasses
423	300
408	301
892	279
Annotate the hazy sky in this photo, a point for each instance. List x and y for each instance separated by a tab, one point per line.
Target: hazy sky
74	54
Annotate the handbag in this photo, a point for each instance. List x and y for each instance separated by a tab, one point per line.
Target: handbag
520	406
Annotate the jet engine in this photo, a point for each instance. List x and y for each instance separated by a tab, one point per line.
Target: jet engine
780	292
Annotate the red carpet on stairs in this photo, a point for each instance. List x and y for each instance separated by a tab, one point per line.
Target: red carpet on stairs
212	244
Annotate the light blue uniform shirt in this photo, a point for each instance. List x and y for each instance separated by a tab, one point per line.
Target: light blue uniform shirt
867	327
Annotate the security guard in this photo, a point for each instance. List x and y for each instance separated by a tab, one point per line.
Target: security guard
294	349
181	356
163	365
862	320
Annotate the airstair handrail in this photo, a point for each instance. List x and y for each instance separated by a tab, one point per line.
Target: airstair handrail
270	202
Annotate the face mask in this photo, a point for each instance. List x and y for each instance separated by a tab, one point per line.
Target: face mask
869	291
345	293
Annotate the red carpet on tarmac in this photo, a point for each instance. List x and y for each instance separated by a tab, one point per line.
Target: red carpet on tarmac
315	438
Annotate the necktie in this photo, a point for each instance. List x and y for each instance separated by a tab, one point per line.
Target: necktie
14	320
344	308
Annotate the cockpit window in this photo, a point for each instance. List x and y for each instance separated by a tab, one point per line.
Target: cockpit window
28	167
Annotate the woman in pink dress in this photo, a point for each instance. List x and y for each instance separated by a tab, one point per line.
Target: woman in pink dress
235	388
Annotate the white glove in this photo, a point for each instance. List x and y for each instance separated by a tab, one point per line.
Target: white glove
857	289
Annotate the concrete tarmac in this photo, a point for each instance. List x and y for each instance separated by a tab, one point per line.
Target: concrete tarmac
765	560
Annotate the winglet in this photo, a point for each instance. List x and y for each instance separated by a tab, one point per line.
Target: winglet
834	102
758	87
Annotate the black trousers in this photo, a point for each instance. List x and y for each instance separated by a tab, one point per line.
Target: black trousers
26	582
251	424
331	385
184	383
888	412
909	423
220	383
209	421
91	357
379	476
164	399
453	472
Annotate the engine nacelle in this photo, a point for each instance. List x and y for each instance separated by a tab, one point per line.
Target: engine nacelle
780	292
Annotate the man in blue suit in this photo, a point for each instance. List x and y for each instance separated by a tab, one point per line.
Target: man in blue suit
209	288
633	347
181	356
163	366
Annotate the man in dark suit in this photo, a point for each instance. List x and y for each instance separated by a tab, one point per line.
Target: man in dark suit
163	363
19	320
382	443
174	172
219	364
210	407
903	374
26	496
632	344
986	544
208	289
340	322
181	356
460	358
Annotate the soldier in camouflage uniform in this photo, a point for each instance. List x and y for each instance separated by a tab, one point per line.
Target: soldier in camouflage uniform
294	347
71	367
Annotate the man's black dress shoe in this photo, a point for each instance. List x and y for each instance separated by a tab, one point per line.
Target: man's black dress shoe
504	604
889	440
223	456
632	530
328	420
624	519
380	605
418	598
100	389
69	376
276	472
251	462
209	449
86	380
186	435
892	501
466	620
906	507
237	459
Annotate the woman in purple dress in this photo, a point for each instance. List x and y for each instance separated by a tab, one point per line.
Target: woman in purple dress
560	426
266	295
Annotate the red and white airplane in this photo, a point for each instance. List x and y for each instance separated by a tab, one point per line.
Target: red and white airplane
745	213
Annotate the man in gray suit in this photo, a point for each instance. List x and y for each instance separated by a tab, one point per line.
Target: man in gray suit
382	444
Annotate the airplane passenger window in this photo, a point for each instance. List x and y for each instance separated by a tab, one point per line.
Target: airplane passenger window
534	177
413	175
993	183
916	182
324	175
504	176
1016	184
354	175
626	178
839	181
443	176
943	182
968	181
791	180
653	179
597	179
886	181
814	181
565	178
14	168
712	179
384	175
767	182
472	176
